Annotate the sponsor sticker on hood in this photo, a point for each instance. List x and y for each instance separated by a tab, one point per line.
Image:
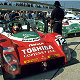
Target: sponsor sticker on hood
26	36
38	50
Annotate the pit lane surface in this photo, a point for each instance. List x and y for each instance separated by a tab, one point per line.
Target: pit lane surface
70	71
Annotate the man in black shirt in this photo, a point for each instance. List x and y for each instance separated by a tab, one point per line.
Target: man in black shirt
57	16
17	15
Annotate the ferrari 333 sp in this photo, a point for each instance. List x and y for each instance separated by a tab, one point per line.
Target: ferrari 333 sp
26	47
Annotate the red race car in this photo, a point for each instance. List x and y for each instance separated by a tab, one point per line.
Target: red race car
25	48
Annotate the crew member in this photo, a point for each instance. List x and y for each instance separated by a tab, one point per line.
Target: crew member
57	16
12	16
47	20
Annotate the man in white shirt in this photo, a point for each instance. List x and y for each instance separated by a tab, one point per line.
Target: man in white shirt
6	16
48	14
34	15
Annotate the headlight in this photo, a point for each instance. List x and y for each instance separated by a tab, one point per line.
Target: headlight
66	52
13	67
12	63
8	58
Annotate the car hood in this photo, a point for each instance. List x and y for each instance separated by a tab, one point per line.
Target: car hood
32	50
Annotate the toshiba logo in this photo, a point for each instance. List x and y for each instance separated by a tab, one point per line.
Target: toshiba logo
37	49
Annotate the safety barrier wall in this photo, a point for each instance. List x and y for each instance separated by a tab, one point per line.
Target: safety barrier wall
23	8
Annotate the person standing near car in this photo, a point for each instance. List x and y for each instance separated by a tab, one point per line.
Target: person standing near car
12	16
6	16
23	15
17	15
57	16
29	15
46	21
34	15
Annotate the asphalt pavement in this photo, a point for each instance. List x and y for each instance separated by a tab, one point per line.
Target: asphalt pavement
70	71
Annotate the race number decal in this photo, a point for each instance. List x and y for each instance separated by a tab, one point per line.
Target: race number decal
60	41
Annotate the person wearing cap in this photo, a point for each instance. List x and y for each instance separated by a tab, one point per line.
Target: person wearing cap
57	16
34	15
6	16
12	16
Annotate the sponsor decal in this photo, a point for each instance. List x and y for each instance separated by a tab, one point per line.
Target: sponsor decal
28	35
43	57
54	56
8	49
35	44
25	40
31	39
31	60
34	51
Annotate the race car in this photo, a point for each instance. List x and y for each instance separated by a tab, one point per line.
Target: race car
68	30
20	46
71	30
71	25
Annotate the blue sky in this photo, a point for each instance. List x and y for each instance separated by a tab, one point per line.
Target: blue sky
2	0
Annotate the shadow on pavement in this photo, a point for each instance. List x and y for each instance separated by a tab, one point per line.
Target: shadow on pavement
39	74
72	62
73	43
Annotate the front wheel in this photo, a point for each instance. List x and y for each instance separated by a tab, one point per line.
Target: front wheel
8	76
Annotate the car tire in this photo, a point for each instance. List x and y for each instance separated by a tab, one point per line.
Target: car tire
7	76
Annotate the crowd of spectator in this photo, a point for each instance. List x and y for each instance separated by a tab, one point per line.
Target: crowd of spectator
25	15
13	15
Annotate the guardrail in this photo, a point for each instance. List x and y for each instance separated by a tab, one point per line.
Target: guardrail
22	7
